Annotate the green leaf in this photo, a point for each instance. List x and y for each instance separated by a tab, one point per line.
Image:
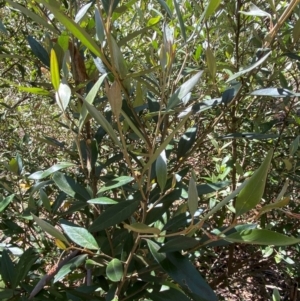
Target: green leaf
211	8
45	200
192	196
178	244
183	272
142	228
114	215
34	90
6	294
36	18
262	237
102	201
114	270
180	20
90	99
161	170
285	201
120	63
296	31
99	26
54	69
80	236
153	21
69	267
15	165
110	5
183	90
276	295
294	146
50	229
212	187
103	122
43	174
186	142
74	28
5	202
252	193
165	143
211	63
7	269
115	183
39	51
23	266
70	187
246	70
166	7
133	126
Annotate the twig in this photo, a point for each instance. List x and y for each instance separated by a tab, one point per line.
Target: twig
40	285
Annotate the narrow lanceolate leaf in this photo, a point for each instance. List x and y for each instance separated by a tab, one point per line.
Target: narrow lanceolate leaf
165	143
192	196
114	215
142	228
262	237
50	229
99	26
43	174
179	243
186	142
83	10
183	90
54	69
114	270
296	31
7	269
211	63
161	170
81	237
45	200
211	8
39	51
273	92
69	267
103	122
74	28
90	99
103	201
70	187
23	266
63	95
115	183
183	272
253	191
180	20
255	11
5	202
114	96
60	244
34	90
285	201
246	70
36	18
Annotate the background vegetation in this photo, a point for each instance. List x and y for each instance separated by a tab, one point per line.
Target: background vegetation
149	150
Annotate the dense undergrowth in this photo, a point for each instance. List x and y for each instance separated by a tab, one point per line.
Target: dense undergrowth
147	147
